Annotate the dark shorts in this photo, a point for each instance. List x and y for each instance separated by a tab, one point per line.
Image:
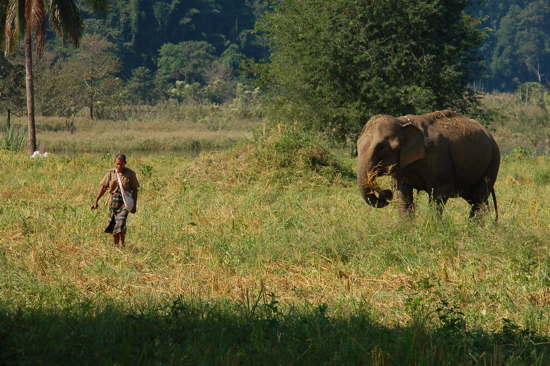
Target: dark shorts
117	215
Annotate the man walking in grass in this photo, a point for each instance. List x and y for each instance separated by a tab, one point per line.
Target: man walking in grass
122	184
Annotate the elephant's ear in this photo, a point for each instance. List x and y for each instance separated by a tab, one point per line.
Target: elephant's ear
412	148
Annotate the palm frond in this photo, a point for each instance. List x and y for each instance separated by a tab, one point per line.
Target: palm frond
14	22
36	23
66	21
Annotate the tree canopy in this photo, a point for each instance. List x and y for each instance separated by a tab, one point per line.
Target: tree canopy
12	86
141	28
328	64
519	48
335	63
186	61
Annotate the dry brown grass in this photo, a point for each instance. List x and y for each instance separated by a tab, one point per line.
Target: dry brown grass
80	135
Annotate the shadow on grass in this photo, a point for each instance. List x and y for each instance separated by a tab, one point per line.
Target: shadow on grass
252	333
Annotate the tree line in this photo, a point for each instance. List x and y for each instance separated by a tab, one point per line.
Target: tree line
327	63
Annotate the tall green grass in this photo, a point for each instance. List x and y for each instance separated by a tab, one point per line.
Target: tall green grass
266	254
13	138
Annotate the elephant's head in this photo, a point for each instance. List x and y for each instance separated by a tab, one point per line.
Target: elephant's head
386	146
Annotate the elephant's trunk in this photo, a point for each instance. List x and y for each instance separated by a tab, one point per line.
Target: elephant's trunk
366	179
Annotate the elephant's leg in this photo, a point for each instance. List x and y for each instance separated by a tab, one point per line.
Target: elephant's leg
476	207
440	203
403	197
439	199
441	194
479	196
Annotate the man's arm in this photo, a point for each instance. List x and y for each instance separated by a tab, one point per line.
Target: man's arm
99	195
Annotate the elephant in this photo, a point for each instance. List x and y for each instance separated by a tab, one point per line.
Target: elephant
442	153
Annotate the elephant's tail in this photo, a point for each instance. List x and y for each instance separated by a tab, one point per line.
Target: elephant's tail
495	202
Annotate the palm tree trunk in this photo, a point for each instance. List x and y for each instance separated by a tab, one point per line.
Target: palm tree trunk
30	91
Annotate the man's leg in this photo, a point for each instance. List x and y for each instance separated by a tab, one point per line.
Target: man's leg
122	237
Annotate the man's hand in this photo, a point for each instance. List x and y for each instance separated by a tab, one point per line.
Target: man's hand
99	195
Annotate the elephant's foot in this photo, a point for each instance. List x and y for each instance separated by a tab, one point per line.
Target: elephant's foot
406	211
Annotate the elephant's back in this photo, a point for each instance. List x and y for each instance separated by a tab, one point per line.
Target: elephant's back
456	127
472	149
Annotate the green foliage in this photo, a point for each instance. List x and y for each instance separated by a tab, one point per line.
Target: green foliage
246	103
521	116
141	27
216	93
533	93
542	177
86	79
228	98
187	61
27	20
517	51
260	329
12	85
14	139
294	153
141	88
186	93
520	152
336	62
232	56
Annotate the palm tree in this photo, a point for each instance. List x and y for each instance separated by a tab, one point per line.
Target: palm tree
27	18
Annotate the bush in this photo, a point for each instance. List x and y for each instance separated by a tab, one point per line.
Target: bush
520	152
542	177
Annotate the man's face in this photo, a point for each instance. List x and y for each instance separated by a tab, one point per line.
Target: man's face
119	165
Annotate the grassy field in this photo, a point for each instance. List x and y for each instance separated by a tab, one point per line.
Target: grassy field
165	129
188	129
266	254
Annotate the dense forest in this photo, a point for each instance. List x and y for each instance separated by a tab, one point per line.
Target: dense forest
517	49
190	51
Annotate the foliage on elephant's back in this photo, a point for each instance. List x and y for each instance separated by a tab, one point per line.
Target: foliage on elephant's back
452	120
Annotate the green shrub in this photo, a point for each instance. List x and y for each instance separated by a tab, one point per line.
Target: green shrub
520	152
542	177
